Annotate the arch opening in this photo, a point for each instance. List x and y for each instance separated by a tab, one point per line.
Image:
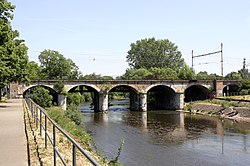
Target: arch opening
86	97
161	98
123	98
196	92
52	92
231	90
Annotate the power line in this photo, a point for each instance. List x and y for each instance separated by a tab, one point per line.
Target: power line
207	54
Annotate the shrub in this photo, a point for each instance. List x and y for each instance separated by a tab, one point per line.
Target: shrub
74	114
244	92
41	96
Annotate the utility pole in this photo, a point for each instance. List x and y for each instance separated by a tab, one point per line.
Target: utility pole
221	60
211	53
193	60
244	69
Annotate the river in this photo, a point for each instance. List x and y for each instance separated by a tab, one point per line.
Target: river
168	137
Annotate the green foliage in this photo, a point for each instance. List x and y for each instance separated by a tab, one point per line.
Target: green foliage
87	97
233	76
188	107
203	75
115	161
13	52
186	73
34	70
141	73
41	96
152	73
55	66
58	115
162	73
74	114
147	53
245	84
94	76
74	99
245	92
59	87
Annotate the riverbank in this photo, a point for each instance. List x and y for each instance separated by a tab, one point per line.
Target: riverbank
229	108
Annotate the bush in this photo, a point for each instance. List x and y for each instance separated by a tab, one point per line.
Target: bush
74	99
59	116
74	114
244	92
41	96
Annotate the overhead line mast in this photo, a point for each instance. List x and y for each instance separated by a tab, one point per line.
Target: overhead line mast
211	53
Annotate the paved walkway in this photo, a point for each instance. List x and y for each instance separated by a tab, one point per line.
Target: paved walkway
13	150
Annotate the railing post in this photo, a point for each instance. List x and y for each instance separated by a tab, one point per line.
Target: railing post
54	144
36	117
74	155
45	132
41	122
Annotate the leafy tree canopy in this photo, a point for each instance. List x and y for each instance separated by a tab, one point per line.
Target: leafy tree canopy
13	52
147	53
94	76
134	74
55	66
203	75
233	76
152	73
34	70
186	73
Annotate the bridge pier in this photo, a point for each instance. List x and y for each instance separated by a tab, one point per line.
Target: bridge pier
103	101
179	100
134	101
62	101
143	101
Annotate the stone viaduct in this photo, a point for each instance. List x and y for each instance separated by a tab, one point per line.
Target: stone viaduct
168	94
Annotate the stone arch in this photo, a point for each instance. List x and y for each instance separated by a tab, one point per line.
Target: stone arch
86	88
161	97
231	90
32	86
52	91
154	85
129	92
70	87
196	92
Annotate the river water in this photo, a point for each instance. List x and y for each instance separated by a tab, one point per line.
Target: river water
168	138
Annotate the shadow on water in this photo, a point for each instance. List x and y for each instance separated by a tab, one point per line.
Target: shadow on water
160	137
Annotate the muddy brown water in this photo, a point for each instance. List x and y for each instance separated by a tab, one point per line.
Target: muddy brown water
168	138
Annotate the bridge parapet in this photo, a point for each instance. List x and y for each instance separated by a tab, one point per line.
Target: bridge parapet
174	89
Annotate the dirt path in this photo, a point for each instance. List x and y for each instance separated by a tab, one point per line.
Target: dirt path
12	135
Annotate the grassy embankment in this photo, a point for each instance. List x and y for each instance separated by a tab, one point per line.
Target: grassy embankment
39	154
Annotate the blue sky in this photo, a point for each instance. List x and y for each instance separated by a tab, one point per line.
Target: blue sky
96	35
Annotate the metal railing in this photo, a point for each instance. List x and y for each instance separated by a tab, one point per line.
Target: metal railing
38	113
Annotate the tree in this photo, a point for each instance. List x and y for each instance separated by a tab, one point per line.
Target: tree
94	76
34	70
233	76
55	66
202	75
137	74
13	52
162	73
147	53
186	73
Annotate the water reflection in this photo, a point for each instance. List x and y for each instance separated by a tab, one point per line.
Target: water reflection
160	137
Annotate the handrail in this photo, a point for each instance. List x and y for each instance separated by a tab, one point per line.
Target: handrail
34	108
